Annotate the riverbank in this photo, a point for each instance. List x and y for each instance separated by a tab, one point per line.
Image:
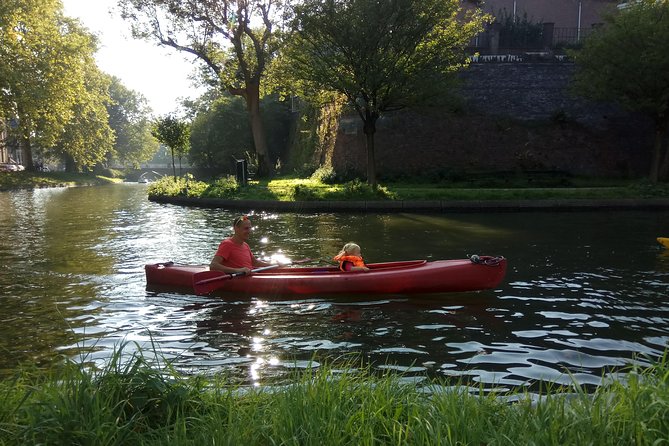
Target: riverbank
299	194
304	194
421	205
33	180
132	402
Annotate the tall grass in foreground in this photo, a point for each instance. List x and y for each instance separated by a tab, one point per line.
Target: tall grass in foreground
130	402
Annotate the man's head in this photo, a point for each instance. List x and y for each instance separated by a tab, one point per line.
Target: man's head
242	227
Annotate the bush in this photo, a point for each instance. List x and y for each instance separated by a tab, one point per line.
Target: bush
300	192
177	187
225	187
324	174
357	189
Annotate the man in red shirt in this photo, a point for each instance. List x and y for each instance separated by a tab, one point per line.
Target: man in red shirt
234	254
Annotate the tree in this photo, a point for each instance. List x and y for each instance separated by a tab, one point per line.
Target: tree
381	55
175	134
626	61
220	133
86	138
129	118
43	71
234	38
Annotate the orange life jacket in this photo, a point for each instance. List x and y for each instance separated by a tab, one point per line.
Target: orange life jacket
355	260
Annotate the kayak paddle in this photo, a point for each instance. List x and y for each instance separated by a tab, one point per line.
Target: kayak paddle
207	281
204	283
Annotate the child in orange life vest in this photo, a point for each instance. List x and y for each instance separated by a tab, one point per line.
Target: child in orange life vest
349	258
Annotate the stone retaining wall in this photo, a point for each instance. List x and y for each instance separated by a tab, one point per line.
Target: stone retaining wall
519	116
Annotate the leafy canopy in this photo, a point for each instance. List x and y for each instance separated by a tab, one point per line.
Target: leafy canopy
627	60
49	83
382	55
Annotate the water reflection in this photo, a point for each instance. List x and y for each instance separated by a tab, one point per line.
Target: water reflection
585	292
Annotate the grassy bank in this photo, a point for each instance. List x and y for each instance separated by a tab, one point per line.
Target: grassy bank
134	403
30	180
484	187
306	189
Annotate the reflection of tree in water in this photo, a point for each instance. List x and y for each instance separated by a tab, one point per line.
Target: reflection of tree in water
77	241
44	283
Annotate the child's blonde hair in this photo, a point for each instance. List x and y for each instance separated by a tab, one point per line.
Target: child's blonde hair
349	248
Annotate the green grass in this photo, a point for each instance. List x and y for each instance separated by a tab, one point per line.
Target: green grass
132	402
301	189
29	180
475	187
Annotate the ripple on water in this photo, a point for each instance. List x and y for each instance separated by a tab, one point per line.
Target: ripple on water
571	308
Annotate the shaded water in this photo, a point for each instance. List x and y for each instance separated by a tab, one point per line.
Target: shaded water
585	292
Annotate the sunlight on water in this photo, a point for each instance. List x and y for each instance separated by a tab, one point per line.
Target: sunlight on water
572	309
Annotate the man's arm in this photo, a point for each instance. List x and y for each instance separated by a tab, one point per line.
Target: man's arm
217	265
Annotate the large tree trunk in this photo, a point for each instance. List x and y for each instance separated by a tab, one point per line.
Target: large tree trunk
174	168
657	167
664	155
70	165
370	129
25	144
265	167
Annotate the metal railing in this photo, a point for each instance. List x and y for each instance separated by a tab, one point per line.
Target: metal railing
491	40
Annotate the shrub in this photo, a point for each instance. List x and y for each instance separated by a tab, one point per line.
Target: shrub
177	187
357	189
300	192
324	174
222	188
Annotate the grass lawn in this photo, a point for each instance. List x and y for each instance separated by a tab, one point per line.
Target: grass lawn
29	180
305	189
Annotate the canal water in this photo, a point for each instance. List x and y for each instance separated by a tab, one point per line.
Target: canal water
585	293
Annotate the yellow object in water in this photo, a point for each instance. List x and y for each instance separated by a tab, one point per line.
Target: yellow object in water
664	241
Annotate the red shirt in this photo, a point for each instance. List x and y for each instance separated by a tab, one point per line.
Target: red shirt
234	255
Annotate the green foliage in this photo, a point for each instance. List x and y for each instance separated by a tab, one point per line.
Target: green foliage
30	180
128	117
519	32
226	187
276	117
325	175
623	59
626	61
87	138
175	134
177	187
50	84
220	133
358	190
301	192
138	399
382	55
482	186
234	39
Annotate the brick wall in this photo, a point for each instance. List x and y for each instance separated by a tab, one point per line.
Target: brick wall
519	116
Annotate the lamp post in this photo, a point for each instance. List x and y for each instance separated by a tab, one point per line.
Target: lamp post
578	28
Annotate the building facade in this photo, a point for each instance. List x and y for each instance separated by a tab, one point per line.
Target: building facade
582	14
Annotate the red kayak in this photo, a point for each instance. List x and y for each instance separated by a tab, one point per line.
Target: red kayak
408	277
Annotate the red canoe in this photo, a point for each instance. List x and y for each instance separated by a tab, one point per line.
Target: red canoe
409	277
